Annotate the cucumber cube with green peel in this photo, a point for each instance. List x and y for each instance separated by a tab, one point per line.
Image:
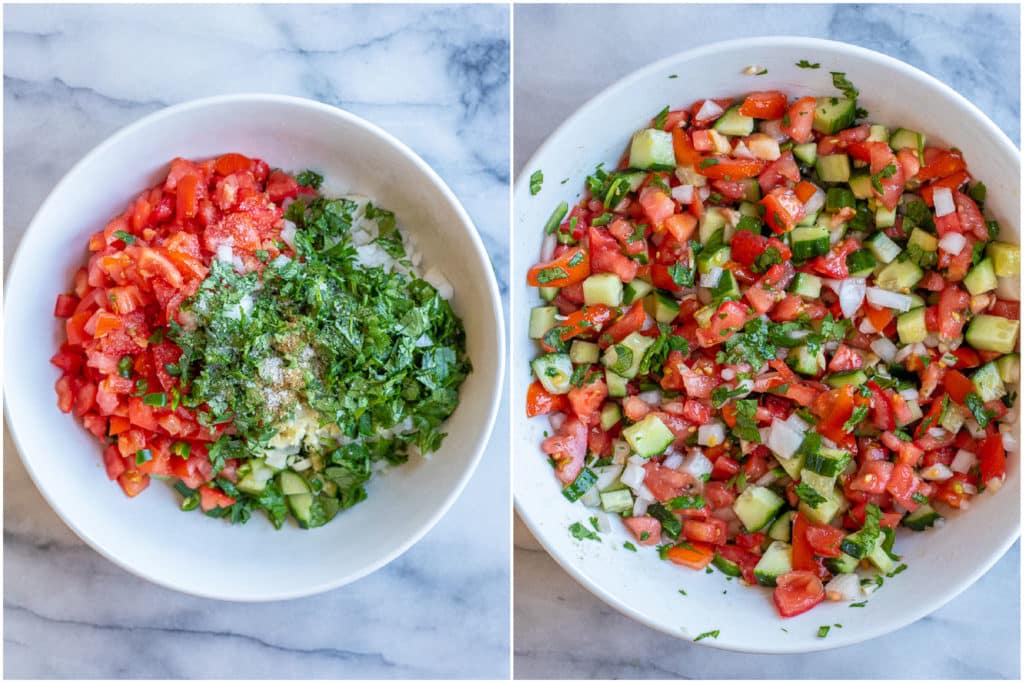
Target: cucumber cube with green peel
651	149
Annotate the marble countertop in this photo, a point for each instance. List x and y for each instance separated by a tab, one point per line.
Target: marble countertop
563	631
434	76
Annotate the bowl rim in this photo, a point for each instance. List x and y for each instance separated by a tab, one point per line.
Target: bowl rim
493	297
609	94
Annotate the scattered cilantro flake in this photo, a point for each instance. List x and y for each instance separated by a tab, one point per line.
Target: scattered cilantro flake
309	178
629	546
707	634
580	533
841	83
807	494
804	64
536	181
823	631
859	413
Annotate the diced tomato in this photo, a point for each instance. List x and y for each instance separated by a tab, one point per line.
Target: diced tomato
646	530
626	324
657	205
712	530
540	402
567	449
695	555
799	119
729	168
778	172
685	152
586	400
796	592
606	256
769	104
133	482
939	163
747	246
783	209
667	483
992	460
210	498
824	539
729	317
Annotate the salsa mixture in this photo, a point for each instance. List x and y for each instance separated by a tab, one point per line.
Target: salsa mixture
772	336
256	343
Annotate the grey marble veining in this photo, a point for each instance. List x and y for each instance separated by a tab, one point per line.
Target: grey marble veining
564	55
437	78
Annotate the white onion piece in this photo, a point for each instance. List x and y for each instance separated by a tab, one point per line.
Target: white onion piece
991	486
865	325
673	461
975	430
1009	438
766	478
728	374
740	150
592	498
683	194
886	299
637	460
910	394
711	434
547	248
952	243
783	440
796	423
652	397
556	420
937	432
943	199
704	193
288	231
607	476
851	295
815	202
696	463
709	110
885	349
225	254
711	278
640	506
603	525
936	472
773	129
834	285
963	461
1008	288
633	476
620	451
844	588
726	513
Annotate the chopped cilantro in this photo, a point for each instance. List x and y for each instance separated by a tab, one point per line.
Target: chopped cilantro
708	634
859	413
309	178
804	64
841	83
629	546
823	631
659	120
807	494
536	181
580	533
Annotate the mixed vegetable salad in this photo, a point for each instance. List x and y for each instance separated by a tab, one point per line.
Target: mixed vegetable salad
774	334
256	343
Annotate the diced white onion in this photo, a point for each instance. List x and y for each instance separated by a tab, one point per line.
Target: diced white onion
683	194
773	128
952	243
652	397
673	461
943	199
886	299
844	588
975	430
741	151
936	472
711	278
1008	288
637	460
851	295
885	349
763	146
696	463
1009	438
640	505
592	498
633	476
937	432
834	285
620	451
865	324
704	193
711	434
603	525
547	249
288	233
815	202
709	110
783	440
280	261
556	420
225	254
993	485
796	423
766	478
963	461
910	394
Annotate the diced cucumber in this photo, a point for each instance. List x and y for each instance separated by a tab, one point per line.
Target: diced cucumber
884	249
841	379
636	289
981	278
255	481
878	134
635	179
809	242
833	168
292	484
844	564
661	306
952	418
727	287
808	220
727	567
554	370
751	209
711	222
542	319
617	501
1009	368
922	518
302	506
826	510
617	384
776	561
805	361
782	528
992	333
899	276
821	483
833	114
924	240
880	558
861	263
649	436
860	185
839	198
793	465
906	138
884	218
610	415
807	285
708	259
827	462
732	122
582	352
651	149
583	482
858	544
911	326
602	288
549	293
807	152
1005	258
624	358
757	506
988	383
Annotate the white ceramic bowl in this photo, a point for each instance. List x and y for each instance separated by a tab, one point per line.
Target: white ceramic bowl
148	535
942	562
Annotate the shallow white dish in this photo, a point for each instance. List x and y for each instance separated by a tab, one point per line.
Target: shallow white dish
149	535
942	562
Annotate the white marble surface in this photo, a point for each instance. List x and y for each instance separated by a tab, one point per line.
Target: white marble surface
436	77
566	54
